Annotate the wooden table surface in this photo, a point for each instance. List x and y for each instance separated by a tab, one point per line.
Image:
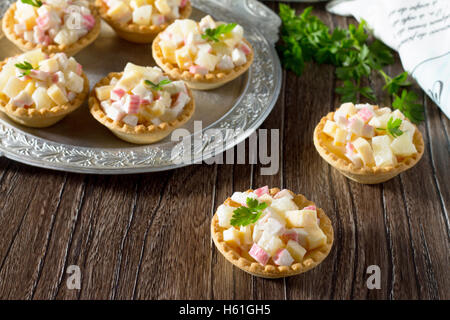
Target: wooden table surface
147	236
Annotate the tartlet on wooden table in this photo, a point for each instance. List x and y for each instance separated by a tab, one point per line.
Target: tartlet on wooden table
42	118
69	50
134	32
364	175
311	259
139	134
212	80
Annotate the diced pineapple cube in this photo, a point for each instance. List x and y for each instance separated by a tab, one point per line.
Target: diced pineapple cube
340	137
27	16
266	198
129	80
57	95
316	238
345	110
120	12
283	204
397	114
13	87
231	236
158	109
186	26
183	58
301	218
41	99
224	214
138	3
142	15
271	244
49	65
30	88
75	83
380	121
365	151
302	236
382	151
408	128
330	128
245	235
163	7
168	50
104	92
403	146
8	71
296	250
33	57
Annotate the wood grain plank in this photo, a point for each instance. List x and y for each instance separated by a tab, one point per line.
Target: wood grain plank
27	221
178	241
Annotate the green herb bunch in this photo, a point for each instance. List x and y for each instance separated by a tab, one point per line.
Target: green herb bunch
306	38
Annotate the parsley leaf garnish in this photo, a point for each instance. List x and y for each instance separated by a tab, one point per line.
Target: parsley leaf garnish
305	38
214	34
157	87
393	127
34	3
244	216
26	67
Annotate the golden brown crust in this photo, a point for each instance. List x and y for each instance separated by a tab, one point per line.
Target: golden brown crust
366	175
311	259
70	50
209	81
139	134
135	32
40	118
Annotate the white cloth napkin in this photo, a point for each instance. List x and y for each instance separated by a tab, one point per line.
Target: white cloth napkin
419	30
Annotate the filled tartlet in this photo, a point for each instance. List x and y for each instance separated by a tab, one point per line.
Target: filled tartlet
205	54
141	20
37	90
52	25
368	144
271	233
141	105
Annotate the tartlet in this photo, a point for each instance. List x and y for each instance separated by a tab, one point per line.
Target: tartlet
138	33
144	130
71	49
217	68
387	161
31	115
237	253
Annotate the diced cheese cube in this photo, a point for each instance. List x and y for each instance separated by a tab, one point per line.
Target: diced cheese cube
403	146
57	95
380	121
330	128
365	151
301	218
168	49
120	12
104	92
408	128
183	58
316	238
397	114
13	87
283	204
75	83
129	80
186	26
382	151
345	110
65	37
224	214
231	236
283	258
41	99
296	250
259	254
245	235
142	15
163	7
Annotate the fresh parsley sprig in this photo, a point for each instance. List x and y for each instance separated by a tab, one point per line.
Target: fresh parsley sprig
393	127
157	86
306	38
214	34
26	67
244	216
34	3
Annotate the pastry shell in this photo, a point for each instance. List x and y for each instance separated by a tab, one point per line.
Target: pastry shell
69	50
311	259
209	81
139	134
137	33
41	118
365	175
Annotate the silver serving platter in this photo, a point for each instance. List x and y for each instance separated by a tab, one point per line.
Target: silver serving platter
80	144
